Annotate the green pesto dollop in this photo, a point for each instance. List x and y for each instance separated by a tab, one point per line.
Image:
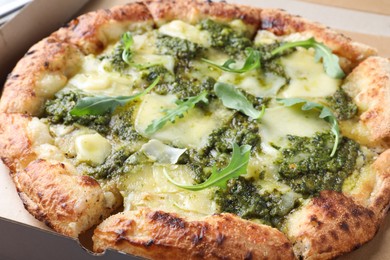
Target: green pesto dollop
307	167
182	49
112	166
242	198
342	105
217	151
122	125
58	110
223	37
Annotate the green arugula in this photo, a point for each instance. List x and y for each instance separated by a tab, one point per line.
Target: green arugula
330	61
99	105
252	62
233	98
127	42
172	114
238	165
325	114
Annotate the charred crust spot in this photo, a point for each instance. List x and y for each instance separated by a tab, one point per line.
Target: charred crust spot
46	64
121	236
30	52
167	219
344	226
149	242
220	238
323	238
334	235
248	255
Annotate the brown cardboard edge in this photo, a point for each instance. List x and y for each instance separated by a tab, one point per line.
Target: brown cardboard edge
373	6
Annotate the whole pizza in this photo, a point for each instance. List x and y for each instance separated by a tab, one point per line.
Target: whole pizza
193	129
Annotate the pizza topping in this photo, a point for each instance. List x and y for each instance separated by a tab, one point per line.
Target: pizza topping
171	114
161	153
330	61
325	114
232	98
306	166
252	62
181	49
92	148
244	199
343	105
58	112
223	37
100	105
237	166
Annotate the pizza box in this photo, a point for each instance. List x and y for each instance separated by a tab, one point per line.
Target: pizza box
22	236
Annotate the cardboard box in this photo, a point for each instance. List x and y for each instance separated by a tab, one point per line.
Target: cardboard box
19	230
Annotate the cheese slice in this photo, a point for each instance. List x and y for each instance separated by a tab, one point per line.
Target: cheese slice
192	130
92	148
186	31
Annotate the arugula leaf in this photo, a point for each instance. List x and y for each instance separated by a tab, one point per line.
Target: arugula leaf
171	114
252	62
325	114
99	105
238	165
127	41
232	98
330	60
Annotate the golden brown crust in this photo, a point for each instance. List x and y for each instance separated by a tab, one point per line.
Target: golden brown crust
92	32
194	11
69	204
326	227
28	84
283	23
369	86
160	235
15	145
330	225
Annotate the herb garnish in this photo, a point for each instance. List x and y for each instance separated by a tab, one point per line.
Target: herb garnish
325	114
171	114
127	41
233	98
99	105
330	61
237	166
252	62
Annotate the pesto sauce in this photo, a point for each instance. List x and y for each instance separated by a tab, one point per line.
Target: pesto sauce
115	58
112	166
218	149
58	110
180	48
242	198
122	126
306	165
342	105
223	37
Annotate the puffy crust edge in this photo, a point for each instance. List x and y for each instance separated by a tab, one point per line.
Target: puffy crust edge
161	235
68	203
283	23
330	225
369	86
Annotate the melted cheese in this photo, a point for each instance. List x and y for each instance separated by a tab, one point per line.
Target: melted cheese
307	77
191	130
186	31
147	186
92	148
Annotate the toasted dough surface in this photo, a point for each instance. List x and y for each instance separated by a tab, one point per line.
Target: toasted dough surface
330	225
161	235
324	228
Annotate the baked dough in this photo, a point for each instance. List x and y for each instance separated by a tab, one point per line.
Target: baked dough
325	227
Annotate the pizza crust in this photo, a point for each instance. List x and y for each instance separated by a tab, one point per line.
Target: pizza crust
161	235
71	204
330	225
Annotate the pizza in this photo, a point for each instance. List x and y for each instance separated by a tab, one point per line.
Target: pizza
197	129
